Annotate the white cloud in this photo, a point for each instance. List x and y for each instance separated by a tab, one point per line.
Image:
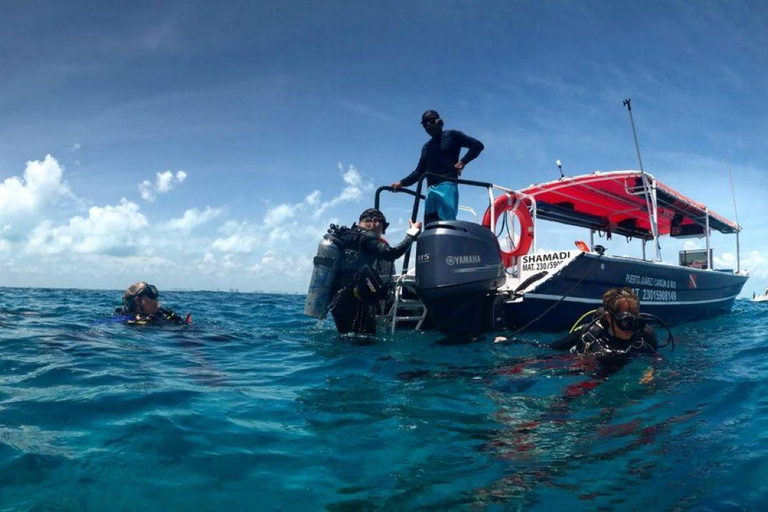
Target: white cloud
278	215
288	224
145	189
273	264
116	230
114	243
355	190
193	218
210	265
25	200
238	238
313	199
691	245
756	263
164	183
166	180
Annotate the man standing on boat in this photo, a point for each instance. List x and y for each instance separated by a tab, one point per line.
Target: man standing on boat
440	158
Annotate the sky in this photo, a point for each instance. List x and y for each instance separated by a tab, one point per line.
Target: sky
201	145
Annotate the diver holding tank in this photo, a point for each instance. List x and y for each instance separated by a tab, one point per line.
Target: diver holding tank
352	272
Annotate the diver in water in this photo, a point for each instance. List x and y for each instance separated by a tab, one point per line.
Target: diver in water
141	307
366	269
617	329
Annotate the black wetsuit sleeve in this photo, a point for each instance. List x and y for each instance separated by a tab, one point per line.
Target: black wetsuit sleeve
383	251
168	316
412	178
567	342
473	145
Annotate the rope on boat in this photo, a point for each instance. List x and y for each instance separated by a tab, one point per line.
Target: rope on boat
550	308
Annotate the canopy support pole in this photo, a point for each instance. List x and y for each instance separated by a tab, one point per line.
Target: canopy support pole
652	205
493	211
706	234
534	207
655	219
736	211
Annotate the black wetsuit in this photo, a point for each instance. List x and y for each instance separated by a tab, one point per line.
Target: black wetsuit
595	339
440	154
363	247
163	317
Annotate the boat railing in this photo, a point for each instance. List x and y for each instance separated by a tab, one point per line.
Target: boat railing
491	187
469	210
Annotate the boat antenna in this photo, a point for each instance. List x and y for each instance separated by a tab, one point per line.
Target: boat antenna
733	193
736	211
650	199
628	104
559	165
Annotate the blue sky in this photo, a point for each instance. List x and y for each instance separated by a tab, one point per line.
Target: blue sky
208	146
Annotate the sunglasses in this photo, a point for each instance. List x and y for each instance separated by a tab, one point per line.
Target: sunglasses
626	321
375	220
430	123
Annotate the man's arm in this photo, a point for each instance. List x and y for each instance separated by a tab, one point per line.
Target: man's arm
474	147
569	341
383	251
412	178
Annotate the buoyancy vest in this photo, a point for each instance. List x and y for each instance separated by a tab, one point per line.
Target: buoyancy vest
597	340
357	271
164	316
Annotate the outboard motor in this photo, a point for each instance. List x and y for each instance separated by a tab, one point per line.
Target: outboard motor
321	286
458	266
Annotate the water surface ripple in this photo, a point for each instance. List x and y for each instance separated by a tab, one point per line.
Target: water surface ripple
254	407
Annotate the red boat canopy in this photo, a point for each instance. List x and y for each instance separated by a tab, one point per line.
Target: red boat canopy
616	202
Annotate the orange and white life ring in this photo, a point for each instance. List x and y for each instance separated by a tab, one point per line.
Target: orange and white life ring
512	203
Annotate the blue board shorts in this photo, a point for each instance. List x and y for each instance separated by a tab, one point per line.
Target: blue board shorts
443	199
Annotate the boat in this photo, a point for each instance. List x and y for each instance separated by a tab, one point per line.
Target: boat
466	283
760	298
470	284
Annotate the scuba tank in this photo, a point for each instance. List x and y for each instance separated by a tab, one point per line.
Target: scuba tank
322	284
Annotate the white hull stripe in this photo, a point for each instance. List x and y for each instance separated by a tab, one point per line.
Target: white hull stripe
644	302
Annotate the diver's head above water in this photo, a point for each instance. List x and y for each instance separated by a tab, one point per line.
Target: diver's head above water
142	298
374	220
622	313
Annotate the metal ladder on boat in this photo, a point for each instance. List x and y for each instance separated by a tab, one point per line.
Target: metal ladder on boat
407	310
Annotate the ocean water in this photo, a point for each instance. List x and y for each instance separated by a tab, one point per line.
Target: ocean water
255	407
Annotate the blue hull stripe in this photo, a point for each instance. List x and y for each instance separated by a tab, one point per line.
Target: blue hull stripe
642	302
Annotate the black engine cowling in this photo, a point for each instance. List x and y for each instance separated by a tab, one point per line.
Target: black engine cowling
458	268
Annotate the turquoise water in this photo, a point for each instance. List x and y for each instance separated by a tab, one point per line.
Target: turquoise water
255	408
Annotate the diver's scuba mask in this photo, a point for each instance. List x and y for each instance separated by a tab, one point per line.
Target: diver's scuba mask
150	291
626	321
